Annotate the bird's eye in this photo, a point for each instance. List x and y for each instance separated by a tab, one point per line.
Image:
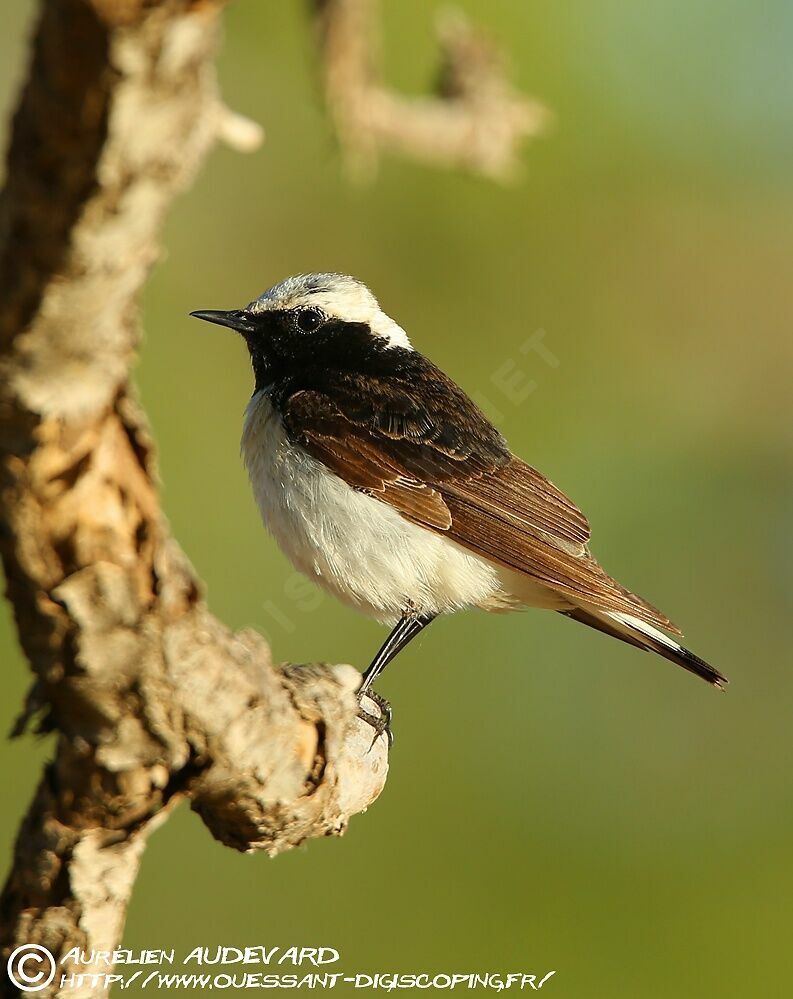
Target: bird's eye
308	320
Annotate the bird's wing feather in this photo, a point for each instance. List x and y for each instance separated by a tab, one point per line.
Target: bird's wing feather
364	467
441	464
377	433
491	525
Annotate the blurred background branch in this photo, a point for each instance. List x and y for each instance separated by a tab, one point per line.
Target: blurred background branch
476	120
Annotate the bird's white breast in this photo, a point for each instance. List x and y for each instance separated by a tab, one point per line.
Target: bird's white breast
355	546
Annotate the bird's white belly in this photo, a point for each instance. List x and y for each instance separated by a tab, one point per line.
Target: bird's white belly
355	546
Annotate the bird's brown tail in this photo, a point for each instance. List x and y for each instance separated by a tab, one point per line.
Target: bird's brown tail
644	636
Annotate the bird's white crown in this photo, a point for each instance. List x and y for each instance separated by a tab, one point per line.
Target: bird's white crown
338	295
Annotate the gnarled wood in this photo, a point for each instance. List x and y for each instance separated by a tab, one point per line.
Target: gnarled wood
151	697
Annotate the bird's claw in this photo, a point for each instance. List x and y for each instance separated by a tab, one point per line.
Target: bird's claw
381	724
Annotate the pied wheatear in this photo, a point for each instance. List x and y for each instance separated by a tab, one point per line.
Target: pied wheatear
382	481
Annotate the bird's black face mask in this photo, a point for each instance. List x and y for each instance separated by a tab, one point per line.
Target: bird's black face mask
284	343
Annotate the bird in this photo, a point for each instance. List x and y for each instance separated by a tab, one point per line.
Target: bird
381	480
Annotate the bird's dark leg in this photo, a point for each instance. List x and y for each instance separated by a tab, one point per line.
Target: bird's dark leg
403	632
406	629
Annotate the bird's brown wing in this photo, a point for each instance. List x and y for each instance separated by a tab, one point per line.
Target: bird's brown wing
488	518
448	469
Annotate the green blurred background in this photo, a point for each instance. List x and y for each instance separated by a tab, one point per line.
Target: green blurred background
556	800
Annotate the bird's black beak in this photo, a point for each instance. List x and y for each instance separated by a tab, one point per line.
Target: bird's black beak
235	319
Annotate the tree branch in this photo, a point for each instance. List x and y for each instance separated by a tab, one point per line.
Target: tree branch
151	697
476	120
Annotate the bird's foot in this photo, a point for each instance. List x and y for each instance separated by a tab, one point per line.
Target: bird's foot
381	724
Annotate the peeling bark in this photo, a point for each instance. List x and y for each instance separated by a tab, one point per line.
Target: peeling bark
152	699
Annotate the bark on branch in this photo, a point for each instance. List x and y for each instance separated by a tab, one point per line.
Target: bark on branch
152	699
476	119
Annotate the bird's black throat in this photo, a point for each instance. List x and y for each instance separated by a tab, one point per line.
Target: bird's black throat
285	359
